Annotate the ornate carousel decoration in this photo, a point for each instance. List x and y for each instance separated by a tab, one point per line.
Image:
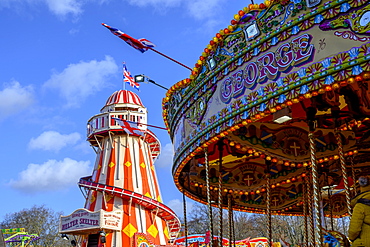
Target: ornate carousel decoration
274	118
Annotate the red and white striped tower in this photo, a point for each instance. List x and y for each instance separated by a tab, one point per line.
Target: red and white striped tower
124	177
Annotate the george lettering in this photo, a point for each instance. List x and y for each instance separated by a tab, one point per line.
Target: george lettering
251	75
268	66
284	57
304	49
226	90
238	84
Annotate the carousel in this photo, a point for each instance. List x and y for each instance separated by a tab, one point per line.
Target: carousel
274	118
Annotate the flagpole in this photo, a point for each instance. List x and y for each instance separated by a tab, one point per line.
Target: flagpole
162	128
160	53
138	44
123	77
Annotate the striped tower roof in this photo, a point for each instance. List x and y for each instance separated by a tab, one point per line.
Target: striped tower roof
124	97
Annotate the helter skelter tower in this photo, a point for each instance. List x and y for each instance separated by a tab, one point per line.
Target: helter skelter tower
123	201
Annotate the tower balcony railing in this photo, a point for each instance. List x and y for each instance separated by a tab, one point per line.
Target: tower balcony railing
103	122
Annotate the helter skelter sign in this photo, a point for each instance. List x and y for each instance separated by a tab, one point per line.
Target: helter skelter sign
82	219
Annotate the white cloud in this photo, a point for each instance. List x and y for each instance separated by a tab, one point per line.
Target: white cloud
202	9
60	8
50	176
155	3
178	206
81	80
53	141
14	99
199	9
165	159
64	7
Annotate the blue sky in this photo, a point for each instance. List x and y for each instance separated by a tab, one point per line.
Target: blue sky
58	66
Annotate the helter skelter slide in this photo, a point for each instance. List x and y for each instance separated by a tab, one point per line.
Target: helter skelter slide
123	201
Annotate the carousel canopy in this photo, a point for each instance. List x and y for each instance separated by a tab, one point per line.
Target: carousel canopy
282	71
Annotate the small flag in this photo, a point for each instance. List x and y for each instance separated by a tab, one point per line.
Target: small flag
139	44
129	127
127	77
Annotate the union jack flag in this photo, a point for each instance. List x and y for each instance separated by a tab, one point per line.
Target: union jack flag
129	127
127	77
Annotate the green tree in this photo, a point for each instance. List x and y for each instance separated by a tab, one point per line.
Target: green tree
37	220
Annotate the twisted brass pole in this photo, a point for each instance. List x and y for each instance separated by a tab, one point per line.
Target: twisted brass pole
353	175
268	202
220	150
230	219
344	170
185	220
310	210
210	216
316	190
305	213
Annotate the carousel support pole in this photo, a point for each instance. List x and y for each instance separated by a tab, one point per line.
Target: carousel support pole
210	216
305	205
233	228
311	112
353	175
220	145
230	219
335	113
185	220
268	202
330	203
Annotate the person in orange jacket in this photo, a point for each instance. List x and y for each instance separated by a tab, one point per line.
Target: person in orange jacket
359	227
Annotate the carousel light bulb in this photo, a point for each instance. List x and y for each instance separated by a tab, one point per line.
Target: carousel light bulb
232	143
